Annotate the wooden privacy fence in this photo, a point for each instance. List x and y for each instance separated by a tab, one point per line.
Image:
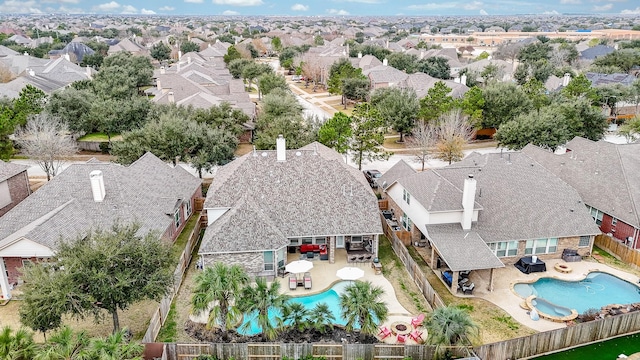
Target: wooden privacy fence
277	351
619	249
414	270
560	339
160	315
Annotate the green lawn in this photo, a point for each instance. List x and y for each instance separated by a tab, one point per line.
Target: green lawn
98	136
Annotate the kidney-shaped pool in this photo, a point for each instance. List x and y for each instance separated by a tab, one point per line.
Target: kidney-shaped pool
598	289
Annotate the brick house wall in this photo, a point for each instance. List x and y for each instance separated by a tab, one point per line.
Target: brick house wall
620	231
18	190
13	265
172	232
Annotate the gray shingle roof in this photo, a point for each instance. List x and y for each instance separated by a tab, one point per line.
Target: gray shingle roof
521	199
8	170
312	193
146	192
397	171
462	250
604	174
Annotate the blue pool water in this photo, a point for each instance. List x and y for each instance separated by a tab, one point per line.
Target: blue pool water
331	297
598	289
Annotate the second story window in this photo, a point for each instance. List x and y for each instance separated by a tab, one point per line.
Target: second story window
406	196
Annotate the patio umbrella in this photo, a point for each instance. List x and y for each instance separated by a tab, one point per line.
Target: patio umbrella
350	273
299	266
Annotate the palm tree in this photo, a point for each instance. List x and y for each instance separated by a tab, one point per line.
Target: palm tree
361	304
262	298
65	345
449	326
18	346
296	315
116	347
322	318
219	284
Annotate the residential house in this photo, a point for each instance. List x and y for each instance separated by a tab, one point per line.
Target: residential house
422	82
129	46
384	76
83	197
600	79
488	211
595	52
606	177
267	202
14	185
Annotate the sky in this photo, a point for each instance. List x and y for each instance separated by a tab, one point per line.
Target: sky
323	7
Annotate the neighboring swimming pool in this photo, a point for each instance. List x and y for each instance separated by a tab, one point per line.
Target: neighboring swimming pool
331	297
598	289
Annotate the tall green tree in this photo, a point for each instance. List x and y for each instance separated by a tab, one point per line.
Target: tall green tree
437	102
368	135
161	51
72	106
398	107
134	71
336	132
579	86
435	66
7	127
30	101
541	129
219	285
232	54
471	105
630	129
189	46
338	73
362	306
258	301
270	81
503	102
111	269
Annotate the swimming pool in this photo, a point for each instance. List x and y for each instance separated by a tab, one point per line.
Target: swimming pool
331	297
598	289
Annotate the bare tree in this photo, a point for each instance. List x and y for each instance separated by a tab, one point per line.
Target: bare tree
47	140
422	141
312	70
453	132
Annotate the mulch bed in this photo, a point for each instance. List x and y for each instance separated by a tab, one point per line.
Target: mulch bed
338	335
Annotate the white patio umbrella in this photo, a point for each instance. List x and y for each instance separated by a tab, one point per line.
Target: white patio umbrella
299	266
350	273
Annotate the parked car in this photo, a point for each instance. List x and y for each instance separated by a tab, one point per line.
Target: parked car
372	177
296	78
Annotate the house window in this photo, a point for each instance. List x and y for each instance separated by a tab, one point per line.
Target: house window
187	209
294	242
597	215
584	241
26	262
614	221
541	246
176	218
307	240
504	248
406	222
268	260
5	195
406	196
321	240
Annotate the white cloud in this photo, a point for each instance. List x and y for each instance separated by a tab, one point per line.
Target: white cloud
128	9
21	7
605	7
571	2
635	11
167	8
551	12
147	12
194	1
483	12
108	7
230	12
337	12
299	7
60	1
239	2
431	6
361	1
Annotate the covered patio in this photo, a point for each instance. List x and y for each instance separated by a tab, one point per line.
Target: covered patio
460	252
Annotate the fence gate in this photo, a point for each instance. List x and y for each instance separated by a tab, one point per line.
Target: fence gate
263	351
191	351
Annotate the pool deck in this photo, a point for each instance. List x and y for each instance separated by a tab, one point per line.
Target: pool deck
323	276
504	278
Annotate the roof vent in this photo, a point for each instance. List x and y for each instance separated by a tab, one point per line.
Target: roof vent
97	185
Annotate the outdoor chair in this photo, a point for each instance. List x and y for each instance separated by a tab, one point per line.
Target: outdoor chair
417	321
468	289
384	332
360	258
352	258
462	282
465	274
401	338
368	258
293	283
307	281
416	336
